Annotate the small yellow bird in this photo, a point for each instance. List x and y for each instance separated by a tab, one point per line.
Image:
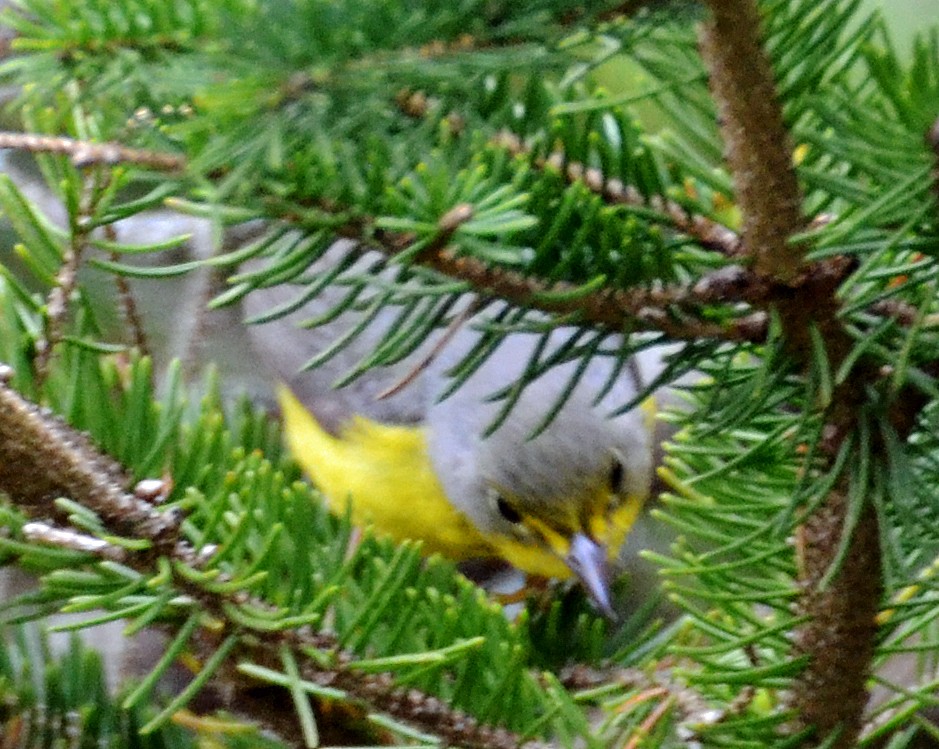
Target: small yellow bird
414	466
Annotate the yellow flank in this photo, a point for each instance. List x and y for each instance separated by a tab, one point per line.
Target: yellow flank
386	474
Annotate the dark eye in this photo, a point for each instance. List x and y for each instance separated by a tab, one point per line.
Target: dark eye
507	511
616	477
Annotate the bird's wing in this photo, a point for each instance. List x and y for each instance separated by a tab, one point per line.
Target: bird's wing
285	346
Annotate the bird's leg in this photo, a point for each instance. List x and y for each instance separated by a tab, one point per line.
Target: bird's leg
532	585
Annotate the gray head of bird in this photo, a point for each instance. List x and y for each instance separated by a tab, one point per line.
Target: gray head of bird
553	502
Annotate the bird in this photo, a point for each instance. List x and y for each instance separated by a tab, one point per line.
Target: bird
553	501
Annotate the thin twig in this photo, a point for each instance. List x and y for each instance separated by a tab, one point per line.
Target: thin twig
128	306
57	307
86	154
58	300
648	725
452	329
706	232
127	302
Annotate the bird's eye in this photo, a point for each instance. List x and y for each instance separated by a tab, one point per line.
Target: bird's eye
617	474
507	511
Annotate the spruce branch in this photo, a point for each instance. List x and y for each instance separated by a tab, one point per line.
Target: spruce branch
755	138
838	638
42	458
831	693
677	310
839	558
615	310
637	309
840	635
640	308
710	234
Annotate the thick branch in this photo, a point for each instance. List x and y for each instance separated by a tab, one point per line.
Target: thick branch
830	694
840	635
756	139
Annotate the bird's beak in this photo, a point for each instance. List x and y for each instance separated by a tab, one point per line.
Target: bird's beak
587	560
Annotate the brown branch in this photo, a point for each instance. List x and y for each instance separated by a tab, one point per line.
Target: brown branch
831	694
128	303
674	310
128	307
669	310
756	140
706	232
59	298
42	458
85	154
57	307
613	309
838	638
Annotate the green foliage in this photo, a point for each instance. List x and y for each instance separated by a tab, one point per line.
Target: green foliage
268	536
375	120
51	698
